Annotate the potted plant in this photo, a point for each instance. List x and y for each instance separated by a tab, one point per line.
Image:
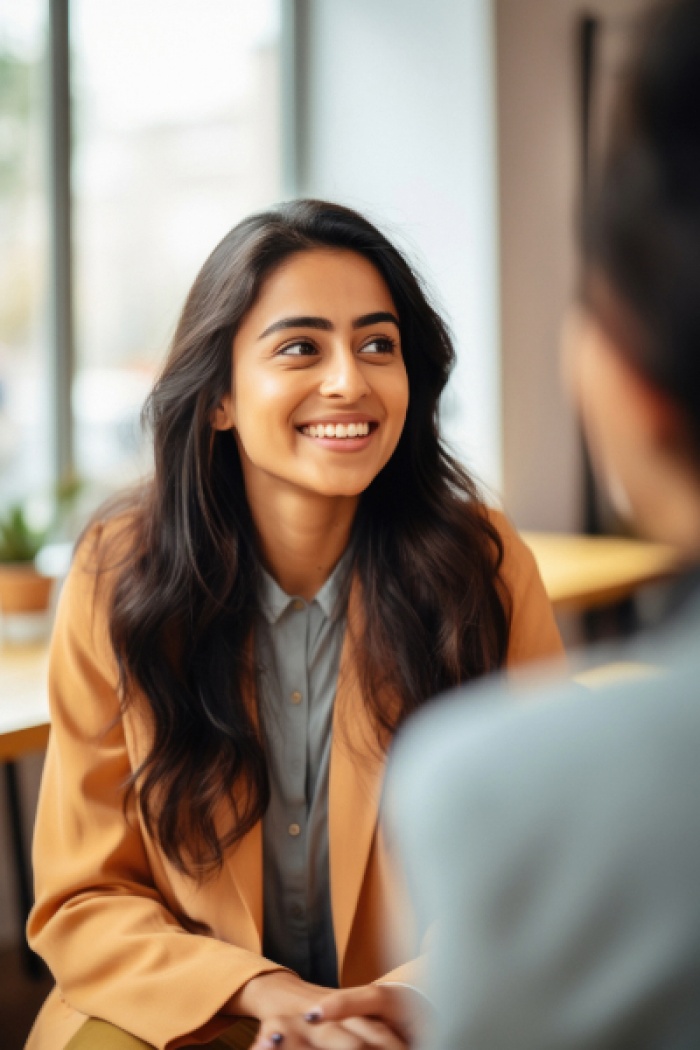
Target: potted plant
23	532
22	588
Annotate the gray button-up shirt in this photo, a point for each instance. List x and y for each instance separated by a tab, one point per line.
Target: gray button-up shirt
298	645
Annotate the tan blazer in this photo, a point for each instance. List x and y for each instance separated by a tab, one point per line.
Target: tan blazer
128	938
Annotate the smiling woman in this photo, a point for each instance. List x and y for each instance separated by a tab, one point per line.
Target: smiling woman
317	404
239	639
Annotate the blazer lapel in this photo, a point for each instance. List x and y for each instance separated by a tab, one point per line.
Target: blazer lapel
356	768
245	863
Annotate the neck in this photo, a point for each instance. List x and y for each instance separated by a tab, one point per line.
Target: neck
301	537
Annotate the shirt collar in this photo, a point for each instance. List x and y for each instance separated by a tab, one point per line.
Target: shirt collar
274	601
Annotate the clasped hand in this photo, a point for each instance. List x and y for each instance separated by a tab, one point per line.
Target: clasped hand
295	1015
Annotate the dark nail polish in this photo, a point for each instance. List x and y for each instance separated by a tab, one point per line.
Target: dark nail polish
313	1016
277	1038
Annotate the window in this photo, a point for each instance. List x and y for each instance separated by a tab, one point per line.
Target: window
175	137
24	416
176	132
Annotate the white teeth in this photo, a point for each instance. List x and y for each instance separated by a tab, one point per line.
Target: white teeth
336	430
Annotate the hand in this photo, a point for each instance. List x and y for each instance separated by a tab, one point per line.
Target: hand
275	994
370	1016
399	1007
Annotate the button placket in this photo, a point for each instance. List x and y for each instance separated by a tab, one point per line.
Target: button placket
296	687
297	692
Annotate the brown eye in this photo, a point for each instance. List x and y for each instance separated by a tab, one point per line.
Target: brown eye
298	349
381	345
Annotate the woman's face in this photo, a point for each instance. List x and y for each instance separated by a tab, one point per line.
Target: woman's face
319	386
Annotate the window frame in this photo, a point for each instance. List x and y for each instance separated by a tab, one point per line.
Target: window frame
61	318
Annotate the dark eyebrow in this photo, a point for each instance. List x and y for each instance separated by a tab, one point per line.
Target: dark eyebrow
324	325
370	319
298	322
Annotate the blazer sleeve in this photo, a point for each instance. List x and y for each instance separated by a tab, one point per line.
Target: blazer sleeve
534	635
116	951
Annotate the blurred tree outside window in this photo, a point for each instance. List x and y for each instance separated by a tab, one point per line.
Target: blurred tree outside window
24	417
175	138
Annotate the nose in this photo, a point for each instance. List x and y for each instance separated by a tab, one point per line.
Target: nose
343	376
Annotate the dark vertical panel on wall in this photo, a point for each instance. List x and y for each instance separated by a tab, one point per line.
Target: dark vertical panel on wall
588	35
589	29
61	345
294	95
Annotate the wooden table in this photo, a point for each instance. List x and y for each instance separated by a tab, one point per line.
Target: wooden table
586	572
24	712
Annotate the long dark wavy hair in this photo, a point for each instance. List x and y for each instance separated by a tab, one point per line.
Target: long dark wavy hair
641	234
426	556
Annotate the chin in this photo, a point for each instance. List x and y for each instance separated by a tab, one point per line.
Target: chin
342	486
342	491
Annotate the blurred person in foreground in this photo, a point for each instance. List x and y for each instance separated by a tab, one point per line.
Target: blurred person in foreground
557	843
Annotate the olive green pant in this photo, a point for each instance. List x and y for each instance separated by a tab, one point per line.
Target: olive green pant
100	1035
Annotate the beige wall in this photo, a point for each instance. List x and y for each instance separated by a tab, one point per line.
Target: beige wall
538	157
398	121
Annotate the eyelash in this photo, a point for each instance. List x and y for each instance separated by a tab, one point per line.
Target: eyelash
388	346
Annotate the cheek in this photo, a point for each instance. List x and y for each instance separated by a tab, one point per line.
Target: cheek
586	376
602	400
261	402
396	399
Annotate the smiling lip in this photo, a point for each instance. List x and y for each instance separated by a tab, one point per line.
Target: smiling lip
338	431
347	435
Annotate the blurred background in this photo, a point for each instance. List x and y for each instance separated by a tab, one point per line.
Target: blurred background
133	135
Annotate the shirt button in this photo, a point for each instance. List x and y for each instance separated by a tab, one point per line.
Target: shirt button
294	830
297	605
296	697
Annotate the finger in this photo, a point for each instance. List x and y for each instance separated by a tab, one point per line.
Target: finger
397	1006
332	1036
364	1001
270	1044
280	1033
273	1041
392	1003
374	1033
293	1033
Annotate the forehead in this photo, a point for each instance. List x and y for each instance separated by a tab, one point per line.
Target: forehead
323	282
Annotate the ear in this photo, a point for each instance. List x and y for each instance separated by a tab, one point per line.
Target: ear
223	417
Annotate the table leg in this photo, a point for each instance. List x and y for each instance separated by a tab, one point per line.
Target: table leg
32	963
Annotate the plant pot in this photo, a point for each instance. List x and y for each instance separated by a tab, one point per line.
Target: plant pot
23	589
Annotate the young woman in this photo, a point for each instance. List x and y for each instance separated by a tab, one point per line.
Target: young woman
238	641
